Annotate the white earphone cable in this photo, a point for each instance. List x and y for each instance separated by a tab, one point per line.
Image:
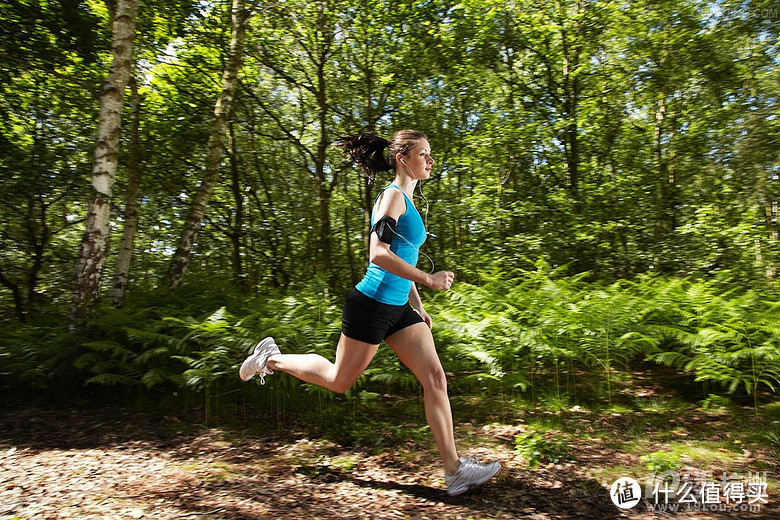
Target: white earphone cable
425	223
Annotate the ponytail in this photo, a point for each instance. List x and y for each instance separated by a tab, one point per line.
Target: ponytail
368	151
375	154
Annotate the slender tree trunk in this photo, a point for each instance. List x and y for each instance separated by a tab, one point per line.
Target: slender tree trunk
215	147
665	187
353	271
368	183
325	229
237	228
325	186
771	266
40	236
271	254
94	244
39	247
273	258
365	188
135	170
571	95
18	297
763	194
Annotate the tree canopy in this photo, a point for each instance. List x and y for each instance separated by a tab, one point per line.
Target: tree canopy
611	141
615	138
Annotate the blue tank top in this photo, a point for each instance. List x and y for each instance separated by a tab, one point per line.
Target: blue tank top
382	285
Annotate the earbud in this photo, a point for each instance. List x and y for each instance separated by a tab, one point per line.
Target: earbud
407	167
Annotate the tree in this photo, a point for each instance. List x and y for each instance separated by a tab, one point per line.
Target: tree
135	170
298	48
94	244
215	147
608	137
38	177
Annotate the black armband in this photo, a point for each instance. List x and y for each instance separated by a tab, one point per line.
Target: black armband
385	229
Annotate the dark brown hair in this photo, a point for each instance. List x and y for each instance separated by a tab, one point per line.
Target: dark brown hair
376	154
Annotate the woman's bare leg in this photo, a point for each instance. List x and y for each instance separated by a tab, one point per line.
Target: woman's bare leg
415	348
352	358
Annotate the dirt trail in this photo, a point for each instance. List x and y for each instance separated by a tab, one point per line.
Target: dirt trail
113	464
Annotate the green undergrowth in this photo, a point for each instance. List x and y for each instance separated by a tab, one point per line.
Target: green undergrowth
651	360
658	433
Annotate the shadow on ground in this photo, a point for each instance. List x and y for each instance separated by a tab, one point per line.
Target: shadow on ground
121	464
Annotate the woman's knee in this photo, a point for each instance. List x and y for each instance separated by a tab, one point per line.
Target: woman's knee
435	380
340	386
341	380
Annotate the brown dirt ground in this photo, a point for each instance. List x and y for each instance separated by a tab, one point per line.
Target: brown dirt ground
117	464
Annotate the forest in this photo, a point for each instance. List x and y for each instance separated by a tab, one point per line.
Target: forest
605	189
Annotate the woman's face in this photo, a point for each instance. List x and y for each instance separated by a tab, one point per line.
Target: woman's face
418	160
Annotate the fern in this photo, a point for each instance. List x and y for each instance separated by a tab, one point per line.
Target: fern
108	379
535	322
728	339
531	330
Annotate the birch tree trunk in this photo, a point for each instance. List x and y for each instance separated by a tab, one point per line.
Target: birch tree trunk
215	147
135	169
94	244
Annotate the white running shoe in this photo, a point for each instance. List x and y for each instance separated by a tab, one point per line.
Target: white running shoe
470	473
255	364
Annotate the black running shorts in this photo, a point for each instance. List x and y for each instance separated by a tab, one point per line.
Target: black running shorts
371	321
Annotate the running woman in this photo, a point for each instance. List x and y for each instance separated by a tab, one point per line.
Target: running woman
385	305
